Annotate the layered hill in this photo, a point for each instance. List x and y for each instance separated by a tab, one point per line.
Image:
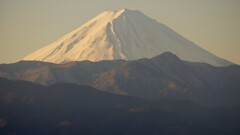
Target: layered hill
162	77
68	109
122	34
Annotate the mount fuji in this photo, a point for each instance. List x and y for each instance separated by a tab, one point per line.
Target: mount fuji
122	34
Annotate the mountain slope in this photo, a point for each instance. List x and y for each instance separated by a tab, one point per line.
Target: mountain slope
162	77
123	34
68	109
167	77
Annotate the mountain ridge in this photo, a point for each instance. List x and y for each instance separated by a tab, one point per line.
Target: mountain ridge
162	77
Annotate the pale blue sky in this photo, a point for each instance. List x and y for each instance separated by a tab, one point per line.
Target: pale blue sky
27	25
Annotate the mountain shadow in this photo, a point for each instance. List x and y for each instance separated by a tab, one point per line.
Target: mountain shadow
63	109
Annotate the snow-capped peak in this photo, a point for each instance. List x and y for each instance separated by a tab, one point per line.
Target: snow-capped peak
122	34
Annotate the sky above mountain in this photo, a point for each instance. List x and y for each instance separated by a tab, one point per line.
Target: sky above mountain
28	25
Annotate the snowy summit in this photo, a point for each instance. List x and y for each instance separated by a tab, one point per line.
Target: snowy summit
123	34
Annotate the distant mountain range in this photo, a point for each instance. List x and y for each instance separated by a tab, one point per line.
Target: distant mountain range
162	77
122	34
68	109
121	73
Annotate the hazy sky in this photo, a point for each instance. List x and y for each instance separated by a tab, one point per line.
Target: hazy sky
27	25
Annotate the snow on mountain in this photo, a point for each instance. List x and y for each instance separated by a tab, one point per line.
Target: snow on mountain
123	34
